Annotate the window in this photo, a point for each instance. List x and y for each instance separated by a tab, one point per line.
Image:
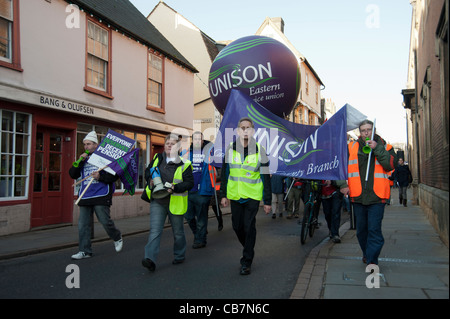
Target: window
9	34
6	22
98	70
155	83
141	143
15	155
307	83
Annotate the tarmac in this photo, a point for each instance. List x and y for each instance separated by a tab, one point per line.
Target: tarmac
414	262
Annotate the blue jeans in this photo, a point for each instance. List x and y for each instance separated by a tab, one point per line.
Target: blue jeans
332	210
368	230
84	225
158	214
197	216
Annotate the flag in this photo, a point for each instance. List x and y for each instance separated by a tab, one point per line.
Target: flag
126	167
296	150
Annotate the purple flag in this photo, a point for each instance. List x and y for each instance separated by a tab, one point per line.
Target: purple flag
126	167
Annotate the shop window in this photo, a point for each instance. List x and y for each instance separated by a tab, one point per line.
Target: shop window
155	83
15	155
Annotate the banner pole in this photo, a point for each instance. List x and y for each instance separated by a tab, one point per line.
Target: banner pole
82	194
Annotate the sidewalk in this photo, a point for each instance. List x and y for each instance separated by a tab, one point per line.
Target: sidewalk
413	264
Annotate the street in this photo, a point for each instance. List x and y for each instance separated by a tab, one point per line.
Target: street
208	273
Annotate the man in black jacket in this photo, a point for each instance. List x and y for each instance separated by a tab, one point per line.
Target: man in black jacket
98	197
403	176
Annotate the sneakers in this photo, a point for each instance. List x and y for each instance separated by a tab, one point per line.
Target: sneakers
149	264
336	239
81	255
118	245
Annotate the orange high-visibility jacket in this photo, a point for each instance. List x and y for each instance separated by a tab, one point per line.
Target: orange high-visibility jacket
381	185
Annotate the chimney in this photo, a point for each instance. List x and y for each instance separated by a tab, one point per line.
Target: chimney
279	23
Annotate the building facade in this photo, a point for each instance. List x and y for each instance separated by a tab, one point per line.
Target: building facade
91	66
200	50
426	99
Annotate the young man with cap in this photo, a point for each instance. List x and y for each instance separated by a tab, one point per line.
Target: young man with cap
98	198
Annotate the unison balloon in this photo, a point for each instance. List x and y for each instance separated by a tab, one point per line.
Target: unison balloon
261	67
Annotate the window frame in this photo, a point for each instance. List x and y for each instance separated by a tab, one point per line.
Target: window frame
153	107
107	92
14	62
14	154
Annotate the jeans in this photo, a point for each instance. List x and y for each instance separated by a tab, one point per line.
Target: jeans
197	216
84	225
294	196
332	210
368	230
158	214
402	193
243	219
277	203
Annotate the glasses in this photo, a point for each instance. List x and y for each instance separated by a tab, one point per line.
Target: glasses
366	130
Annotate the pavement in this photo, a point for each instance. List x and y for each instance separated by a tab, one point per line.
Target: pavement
414	262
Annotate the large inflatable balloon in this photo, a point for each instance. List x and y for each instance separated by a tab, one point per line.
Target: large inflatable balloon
261	67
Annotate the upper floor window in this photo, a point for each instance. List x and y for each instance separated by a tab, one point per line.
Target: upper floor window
307	83
155	83
9	34
98	68
6	22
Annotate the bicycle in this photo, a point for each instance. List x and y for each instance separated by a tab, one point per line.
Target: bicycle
310	221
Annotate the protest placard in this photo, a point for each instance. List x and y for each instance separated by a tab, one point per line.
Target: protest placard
112	147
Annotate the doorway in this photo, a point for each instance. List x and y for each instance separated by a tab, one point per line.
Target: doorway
52	192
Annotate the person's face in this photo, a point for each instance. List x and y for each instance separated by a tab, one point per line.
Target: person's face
89	146
197	141
400	161
365	130
245	130
171	147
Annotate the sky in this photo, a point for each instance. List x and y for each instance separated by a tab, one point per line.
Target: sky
358	48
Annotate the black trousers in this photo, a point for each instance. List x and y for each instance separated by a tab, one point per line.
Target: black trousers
243	218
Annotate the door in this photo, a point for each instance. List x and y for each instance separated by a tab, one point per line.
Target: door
51	198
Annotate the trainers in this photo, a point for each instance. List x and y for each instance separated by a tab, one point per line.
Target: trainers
149	264
118	244
336	239
81	255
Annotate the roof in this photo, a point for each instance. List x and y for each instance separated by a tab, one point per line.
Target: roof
124	16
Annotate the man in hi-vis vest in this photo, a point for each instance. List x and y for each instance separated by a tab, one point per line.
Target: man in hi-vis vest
370	196
245	181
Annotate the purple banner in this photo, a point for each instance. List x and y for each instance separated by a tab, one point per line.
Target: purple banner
304	151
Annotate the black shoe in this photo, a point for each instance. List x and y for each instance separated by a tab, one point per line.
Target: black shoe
198	245
177	261
147	263
245	270
220	227
274	216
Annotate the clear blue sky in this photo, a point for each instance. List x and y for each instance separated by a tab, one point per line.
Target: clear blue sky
359	48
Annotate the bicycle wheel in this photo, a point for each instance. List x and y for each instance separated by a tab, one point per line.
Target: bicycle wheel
305	222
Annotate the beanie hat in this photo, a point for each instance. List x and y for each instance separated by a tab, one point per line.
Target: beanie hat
92	136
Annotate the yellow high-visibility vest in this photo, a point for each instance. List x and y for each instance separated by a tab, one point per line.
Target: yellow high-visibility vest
178	201
244	180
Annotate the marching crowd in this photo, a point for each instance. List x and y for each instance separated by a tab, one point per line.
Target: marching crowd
182	185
